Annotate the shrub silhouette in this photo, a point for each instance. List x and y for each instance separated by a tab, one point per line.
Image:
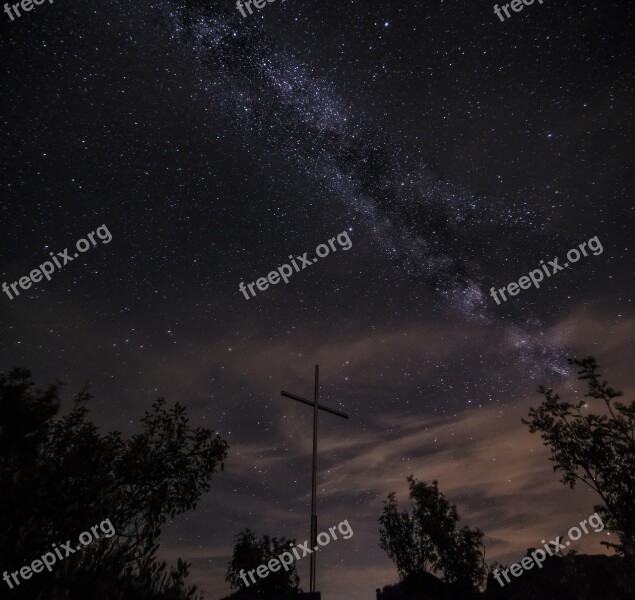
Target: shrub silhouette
597	450
249	553
60	476
429	540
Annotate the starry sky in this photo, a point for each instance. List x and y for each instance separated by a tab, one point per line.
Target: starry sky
456	150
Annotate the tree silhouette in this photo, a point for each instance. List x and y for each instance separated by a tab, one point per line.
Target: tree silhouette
595	449
428	539
251	552
60	476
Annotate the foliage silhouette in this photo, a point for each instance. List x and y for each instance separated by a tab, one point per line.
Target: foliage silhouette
595	449
428	539
60	476
249	553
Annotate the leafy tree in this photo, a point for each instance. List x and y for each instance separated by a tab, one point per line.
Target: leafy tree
397	539
595	449
249	553
60	476
428	538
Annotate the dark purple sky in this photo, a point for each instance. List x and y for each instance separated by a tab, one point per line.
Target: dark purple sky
456	150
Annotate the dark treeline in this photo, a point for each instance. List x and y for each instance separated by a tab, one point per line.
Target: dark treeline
60	477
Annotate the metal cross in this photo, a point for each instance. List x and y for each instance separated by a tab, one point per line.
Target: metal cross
315	406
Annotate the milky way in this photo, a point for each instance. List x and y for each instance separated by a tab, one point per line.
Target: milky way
437	232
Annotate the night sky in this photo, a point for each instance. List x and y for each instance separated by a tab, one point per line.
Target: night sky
456	150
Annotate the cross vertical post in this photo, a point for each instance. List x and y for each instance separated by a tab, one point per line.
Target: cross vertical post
314	478
315	404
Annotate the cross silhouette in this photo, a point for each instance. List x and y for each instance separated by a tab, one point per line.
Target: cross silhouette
315	406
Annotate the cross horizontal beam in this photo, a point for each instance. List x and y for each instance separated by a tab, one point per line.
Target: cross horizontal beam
320	406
